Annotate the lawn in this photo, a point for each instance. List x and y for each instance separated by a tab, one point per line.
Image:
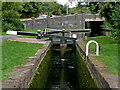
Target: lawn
23	36
14	53
4	33
109	51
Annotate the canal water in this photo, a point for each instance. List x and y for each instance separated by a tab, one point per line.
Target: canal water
62	74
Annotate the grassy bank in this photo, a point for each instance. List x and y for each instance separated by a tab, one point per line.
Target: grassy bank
109	51
27	36
14	53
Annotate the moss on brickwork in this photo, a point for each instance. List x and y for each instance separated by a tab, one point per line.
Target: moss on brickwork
40	77
84	77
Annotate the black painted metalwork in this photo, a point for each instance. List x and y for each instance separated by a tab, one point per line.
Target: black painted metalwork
63	38
27	33
66	31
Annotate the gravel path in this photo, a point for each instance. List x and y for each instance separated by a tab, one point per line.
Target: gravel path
14	38
7	37
29	40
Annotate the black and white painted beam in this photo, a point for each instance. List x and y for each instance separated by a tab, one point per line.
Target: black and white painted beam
40	35
21	33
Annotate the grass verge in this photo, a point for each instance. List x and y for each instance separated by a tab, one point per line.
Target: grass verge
27	36
109	51
14	53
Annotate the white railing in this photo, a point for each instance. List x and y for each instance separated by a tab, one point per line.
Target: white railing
87	47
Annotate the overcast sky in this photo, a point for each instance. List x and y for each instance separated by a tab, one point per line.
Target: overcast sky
63	2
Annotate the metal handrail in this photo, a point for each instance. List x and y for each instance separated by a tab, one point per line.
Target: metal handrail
92	41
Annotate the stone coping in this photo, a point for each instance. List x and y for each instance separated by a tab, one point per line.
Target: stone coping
103	76
21	75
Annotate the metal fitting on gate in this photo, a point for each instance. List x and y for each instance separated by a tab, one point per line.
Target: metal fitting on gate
39	34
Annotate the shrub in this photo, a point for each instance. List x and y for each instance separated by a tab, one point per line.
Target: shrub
6	26
13	24
17	25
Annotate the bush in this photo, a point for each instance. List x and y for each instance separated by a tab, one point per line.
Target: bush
6	26
17	25
115	34
13	24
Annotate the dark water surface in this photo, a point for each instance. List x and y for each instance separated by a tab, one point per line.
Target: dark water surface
62	76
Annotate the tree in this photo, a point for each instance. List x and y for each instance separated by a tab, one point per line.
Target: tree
11	16
79	9
11	10
111	12
115	22
31	9
63	9
52	8
56	10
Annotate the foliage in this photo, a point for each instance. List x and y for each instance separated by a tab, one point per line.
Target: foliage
63	9
94	7
6	26
111	12
31	9
11	15
10	10
79	9
115	22
74	11
47	7
13	24
52	8
17	24
57	10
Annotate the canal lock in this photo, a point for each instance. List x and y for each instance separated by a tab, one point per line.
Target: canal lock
62	71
